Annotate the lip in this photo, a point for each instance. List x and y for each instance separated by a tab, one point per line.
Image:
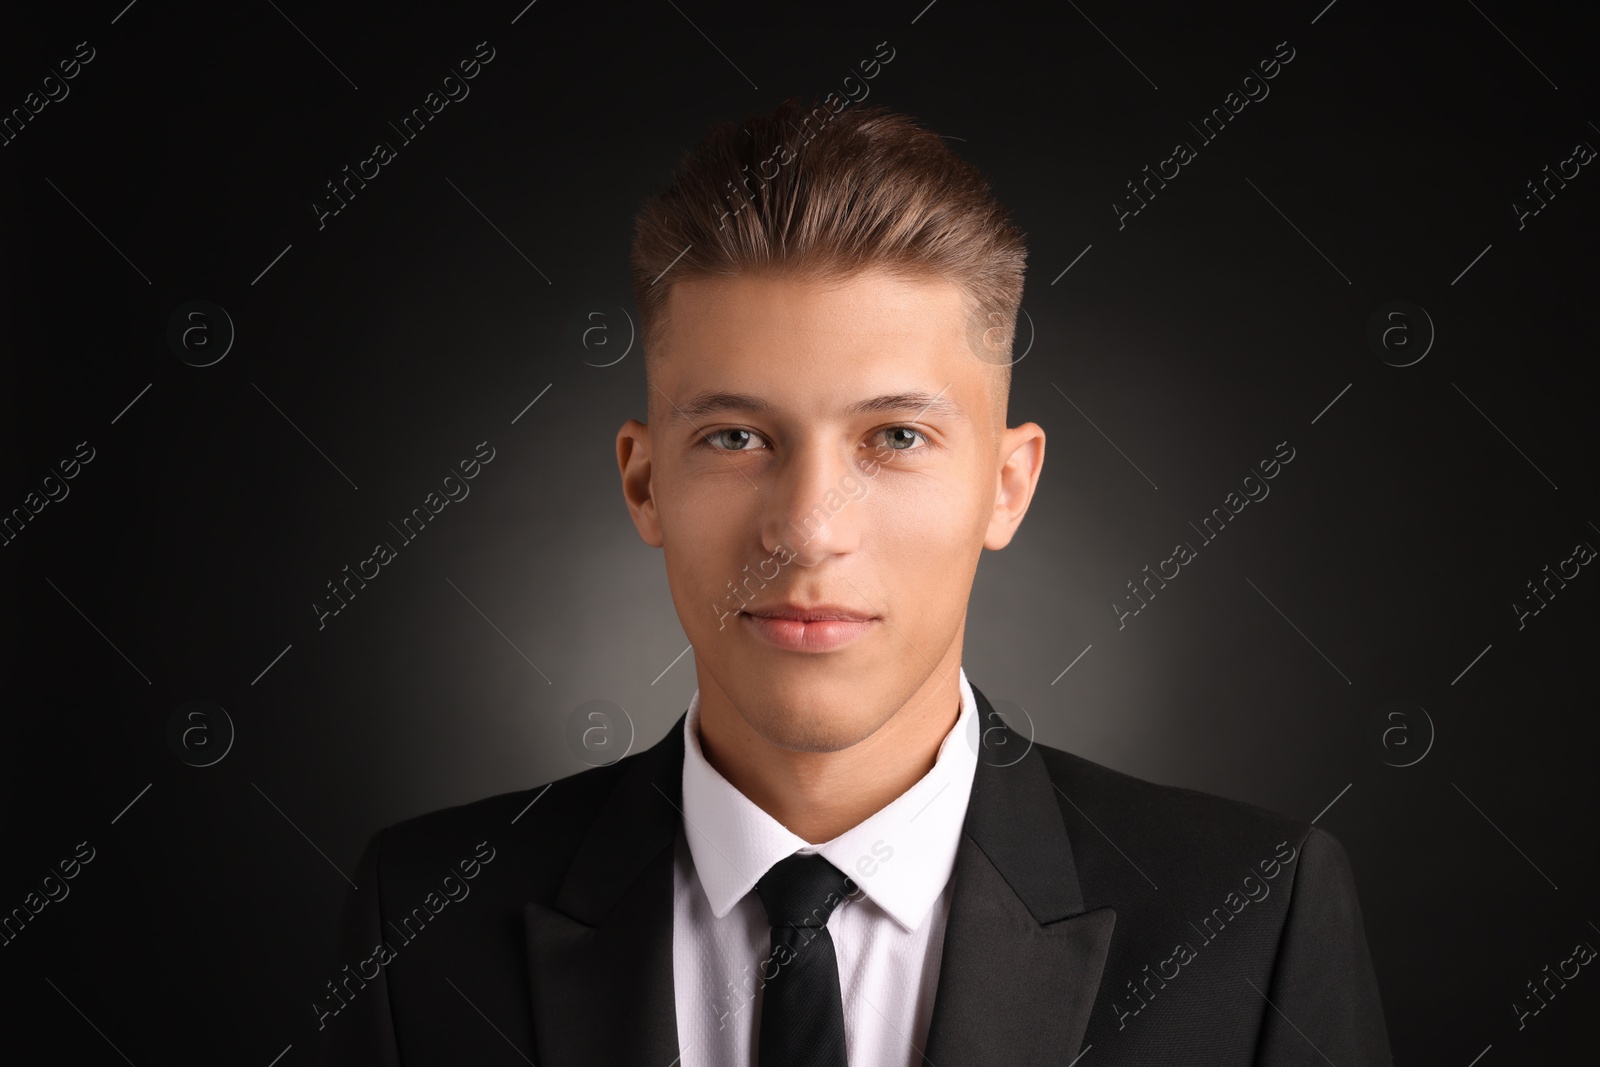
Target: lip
832	630
819	613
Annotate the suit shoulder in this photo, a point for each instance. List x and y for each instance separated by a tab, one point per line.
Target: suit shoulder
1182	825
540	818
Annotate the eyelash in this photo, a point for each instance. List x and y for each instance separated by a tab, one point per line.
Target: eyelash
705	440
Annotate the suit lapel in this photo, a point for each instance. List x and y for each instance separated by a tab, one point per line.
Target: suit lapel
600	959
1022	958
1018	975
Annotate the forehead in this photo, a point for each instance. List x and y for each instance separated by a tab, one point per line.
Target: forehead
758	330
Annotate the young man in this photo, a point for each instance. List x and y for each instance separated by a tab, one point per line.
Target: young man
839	853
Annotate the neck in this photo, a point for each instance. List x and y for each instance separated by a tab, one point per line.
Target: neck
820	795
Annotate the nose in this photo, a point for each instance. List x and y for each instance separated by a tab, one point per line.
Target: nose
810	506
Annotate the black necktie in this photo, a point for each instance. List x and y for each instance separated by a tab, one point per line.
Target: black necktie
802	1012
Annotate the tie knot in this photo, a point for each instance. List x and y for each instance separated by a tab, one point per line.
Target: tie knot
802	890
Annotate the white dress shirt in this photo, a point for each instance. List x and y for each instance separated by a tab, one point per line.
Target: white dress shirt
888	940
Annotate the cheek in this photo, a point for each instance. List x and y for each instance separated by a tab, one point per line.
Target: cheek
697	567
708	541
935	510
924	533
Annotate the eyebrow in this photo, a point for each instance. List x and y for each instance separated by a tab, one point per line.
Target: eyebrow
711	403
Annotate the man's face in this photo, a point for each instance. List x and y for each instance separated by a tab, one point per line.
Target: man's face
774	476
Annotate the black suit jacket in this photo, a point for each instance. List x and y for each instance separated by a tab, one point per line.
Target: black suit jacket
1096	918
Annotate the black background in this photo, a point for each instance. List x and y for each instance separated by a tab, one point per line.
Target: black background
453	291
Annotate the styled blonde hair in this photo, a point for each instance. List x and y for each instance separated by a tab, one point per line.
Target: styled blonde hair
816	191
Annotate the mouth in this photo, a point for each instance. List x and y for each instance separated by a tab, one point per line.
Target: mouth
824	629
824	613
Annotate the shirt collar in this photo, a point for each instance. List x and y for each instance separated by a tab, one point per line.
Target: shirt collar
901	856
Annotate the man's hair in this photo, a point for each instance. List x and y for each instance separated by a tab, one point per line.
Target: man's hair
812	192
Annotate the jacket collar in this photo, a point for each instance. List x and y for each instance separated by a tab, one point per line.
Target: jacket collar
1021	962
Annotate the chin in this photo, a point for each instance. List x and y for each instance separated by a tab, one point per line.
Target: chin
816	721
811	736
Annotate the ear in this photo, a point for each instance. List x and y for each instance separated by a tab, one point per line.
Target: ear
1021	459
633	460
